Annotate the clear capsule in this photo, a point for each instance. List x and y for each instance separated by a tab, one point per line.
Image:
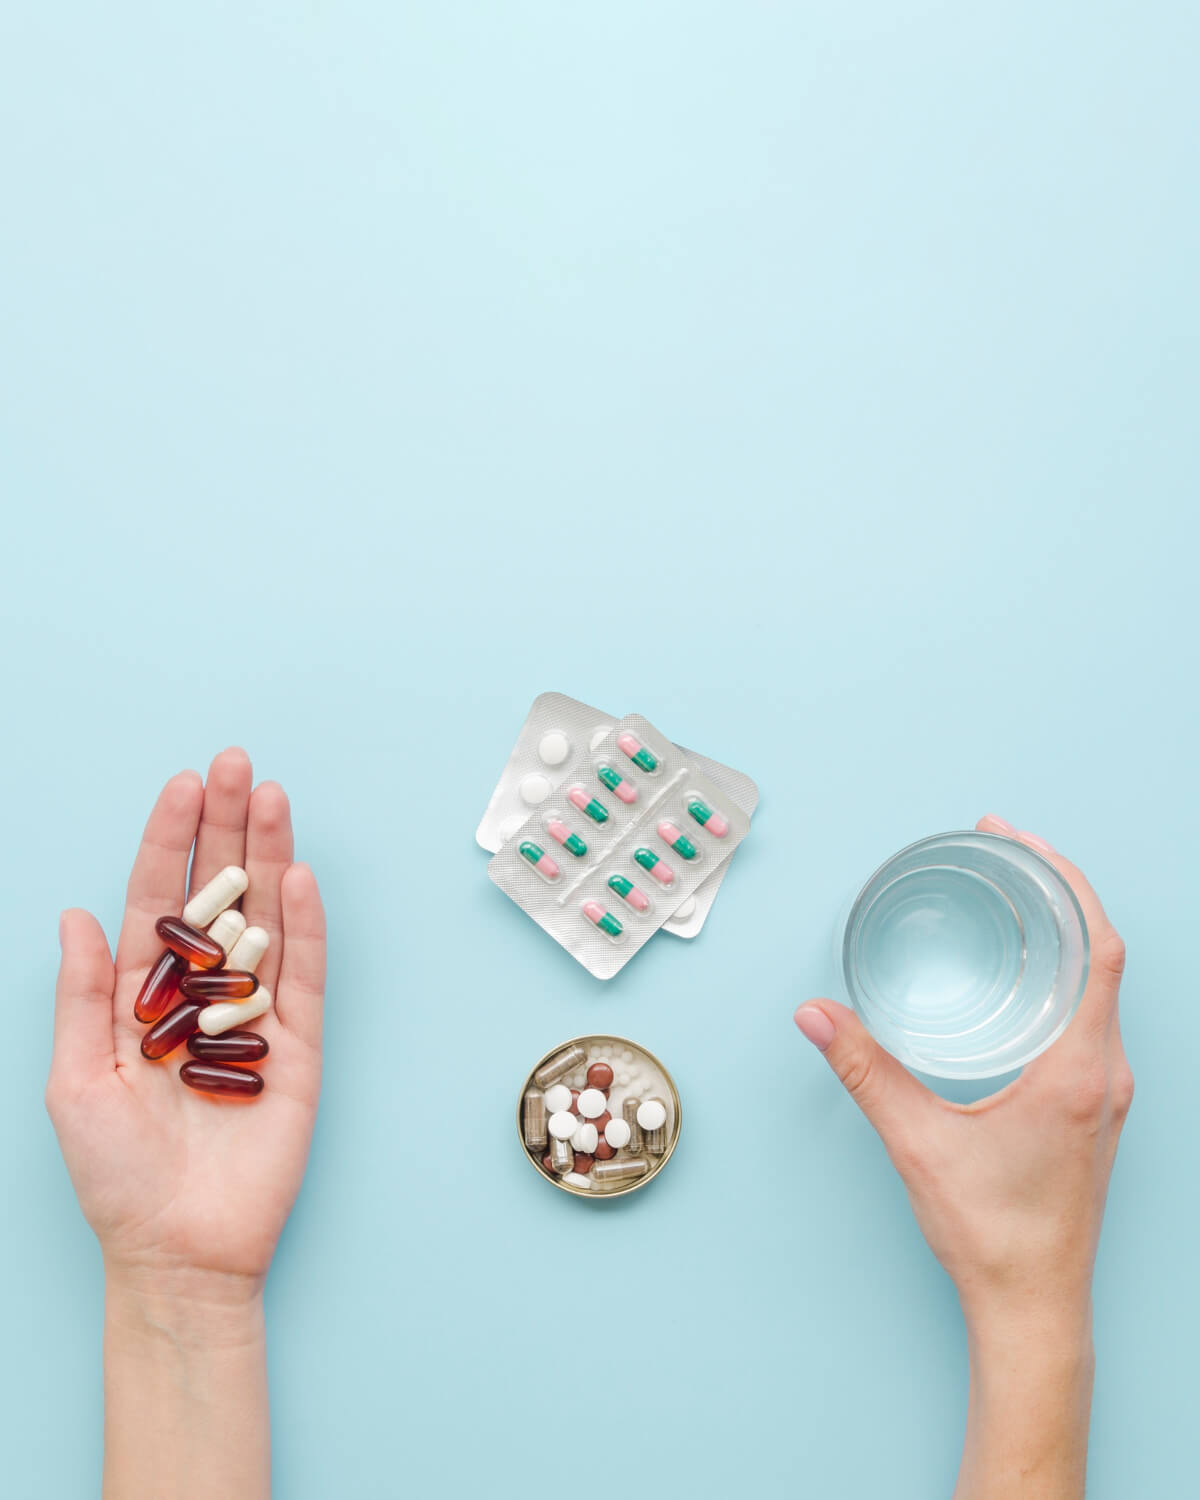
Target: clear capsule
533	1119
559	1065
629	1114
620	1169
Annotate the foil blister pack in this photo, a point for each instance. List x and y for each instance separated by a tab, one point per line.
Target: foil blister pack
555	729
610	848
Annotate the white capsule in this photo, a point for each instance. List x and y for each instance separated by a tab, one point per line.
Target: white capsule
212	899
561	1125
586	1138
226	1014
226	930
576	1179
558	1097
617	1133
652	1115
246	954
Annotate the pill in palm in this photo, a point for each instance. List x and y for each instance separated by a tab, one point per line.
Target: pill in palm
216	1078
160	986
226	930
221	984
225	1015
230	1047
173	1030
247	953
190	943
221	891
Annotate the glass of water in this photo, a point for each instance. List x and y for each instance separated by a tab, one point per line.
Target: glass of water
965	955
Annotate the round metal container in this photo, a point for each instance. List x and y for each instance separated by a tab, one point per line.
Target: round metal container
668	1092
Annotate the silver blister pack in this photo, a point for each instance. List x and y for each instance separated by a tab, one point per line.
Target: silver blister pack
555	728
633	828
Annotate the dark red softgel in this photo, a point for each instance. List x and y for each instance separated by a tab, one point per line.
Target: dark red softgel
227	984
190	943
213	1078
229	1047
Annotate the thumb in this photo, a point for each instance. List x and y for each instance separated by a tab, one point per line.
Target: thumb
83	1017
884	1089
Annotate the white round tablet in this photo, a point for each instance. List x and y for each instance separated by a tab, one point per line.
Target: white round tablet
554	748
592	1104
682	913
535	788
562	1123
558	1098
510	826
650	1115
599	735
617	1133
576	1179
586	1138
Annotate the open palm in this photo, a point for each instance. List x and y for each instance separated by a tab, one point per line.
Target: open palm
167	1177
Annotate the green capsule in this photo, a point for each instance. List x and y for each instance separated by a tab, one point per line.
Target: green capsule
637	752
646	858
617	783
589	805
706	818
621	885
681	844
571	842
602	919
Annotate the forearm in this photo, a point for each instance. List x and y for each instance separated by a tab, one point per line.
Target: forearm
185	1389
1030	1404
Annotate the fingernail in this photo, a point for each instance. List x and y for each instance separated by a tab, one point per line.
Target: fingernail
1001	823
816	1026
1036	843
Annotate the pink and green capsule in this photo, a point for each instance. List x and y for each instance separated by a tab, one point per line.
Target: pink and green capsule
540	860
561	834
617	784
602	919
637	752
681	844
659	868
631	894
707	817
593	808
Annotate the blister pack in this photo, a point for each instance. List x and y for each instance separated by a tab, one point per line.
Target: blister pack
633	829
555	729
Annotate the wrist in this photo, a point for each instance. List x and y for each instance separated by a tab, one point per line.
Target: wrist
185	1307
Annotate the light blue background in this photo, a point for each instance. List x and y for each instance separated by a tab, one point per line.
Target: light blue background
817	379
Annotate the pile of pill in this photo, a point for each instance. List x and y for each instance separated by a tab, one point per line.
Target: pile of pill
211	975
599	1116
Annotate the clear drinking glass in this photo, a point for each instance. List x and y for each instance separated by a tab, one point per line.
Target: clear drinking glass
965	955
